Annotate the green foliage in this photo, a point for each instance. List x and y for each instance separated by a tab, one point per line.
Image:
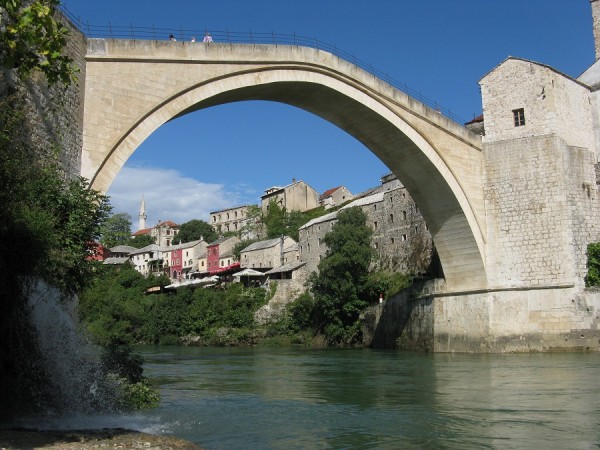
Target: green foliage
279	222
339	287
116	312
194	230
386	283
30	39
49	222
141	241
593	276
297	319
116	230
135	396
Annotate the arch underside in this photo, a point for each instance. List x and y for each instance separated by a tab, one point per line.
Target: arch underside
430	183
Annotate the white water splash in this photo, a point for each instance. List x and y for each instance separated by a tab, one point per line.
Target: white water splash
71	362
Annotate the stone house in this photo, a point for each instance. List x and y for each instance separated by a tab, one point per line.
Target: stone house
230	219
119	254
163	232
182	259
219	254
267	254
335	197
400	234
147	260
297	196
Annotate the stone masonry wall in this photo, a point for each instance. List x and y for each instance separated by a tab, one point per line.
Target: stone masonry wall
596	24
528	235
55	114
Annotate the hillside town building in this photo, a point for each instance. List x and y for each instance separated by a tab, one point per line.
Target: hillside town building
399	230
335	197
230	219
297	196
163	232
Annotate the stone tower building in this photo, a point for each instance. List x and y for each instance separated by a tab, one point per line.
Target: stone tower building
596	24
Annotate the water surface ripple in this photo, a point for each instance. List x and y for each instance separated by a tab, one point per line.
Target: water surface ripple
230	399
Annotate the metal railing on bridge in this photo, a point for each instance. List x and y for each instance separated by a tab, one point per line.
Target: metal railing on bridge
235	37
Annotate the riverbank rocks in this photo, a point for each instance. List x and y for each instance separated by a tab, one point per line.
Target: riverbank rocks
89	439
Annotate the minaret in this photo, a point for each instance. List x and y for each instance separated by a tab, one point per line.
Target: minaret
142	215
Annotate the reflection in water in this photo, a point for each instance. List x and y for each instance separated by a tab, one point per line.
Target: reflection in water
364	399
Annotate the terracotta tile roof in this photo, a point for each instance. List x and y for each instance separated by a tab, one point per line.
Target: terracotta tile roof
328	192
142	231
167	223
479	118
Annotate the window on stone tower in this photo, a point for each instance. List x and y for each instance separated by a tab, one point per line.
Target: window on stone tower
519	116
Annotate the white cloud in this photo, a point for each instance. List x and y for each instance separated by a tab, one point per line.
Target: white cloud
169	195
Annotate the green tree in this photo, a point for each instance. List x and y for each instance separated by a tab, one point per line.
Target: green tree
339	286
31	39
141	241
194	230
116	230
274	219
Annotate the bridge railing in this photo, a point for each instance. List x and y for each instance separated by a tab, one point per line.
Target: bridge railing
235	37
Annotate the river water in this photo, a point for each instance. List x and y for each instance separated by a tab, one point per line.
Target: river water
224	398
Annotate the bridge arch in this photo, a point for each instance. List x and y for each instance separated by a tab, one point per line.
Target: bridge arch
422	155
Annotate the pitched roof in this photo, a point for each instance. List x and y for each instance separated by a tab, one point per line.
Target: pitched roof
262	245
286	267
329	192
477	119
142	231
167	223
146	249
123	249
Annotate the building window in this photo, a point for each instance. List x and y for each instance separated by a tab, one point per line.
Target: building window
376	245
375	225
404	215
519	116
404	237
392	240
391	218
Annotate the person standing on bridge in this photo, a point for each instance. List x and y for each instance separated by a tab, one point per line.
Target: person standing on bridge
207	38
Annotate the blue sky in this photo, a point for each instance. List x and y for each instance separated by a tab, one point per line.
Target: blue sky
228	155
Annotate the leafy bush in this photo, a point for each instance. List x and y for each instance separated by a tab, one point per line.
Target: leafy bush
593	264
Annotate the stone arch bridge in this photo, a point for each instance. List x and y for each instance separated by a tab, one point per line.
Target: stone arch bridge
509	218
133	87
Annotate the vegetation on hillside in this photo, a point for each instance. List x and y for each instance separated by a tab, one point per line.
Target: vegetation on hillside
116	312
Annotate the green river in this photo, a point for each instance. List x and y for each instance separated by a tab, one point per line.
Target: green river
264	398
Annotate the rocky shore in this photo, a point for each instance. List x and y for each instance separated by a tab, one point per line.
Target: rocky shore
114	438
